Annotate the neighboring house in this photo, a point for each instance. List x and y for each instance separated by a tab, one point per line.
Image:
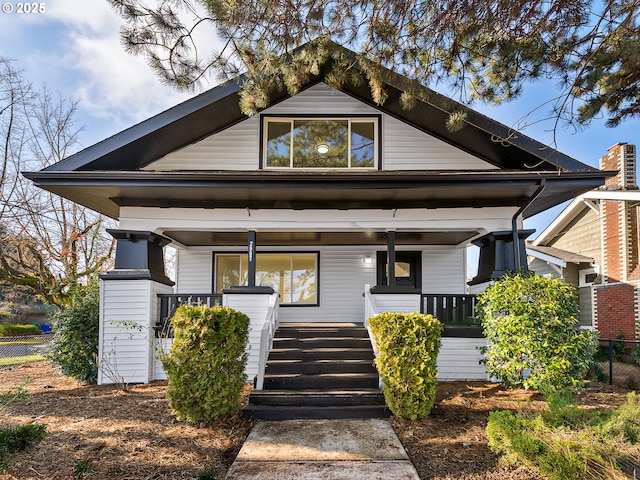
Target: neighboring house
594	244
298	213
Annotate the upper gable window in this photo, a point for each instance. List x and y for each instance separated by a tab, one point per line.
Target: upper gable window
327	143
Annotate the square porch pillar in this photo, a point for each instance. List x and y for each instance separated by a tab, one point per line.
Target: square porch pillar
129	307
497	255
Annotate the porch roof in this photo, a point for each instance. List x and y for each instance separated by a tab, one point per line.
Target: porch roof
106	192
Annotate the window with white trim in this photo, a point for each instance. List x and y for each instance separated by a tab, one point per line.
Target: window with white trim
587	277
293	275
326	143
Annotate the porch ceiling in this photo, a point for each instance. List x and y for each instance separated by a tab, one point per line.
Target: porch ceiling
199	238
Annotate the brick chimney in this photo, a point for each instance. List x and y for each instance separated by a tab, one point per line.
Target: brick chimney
615	301
619	219
621	157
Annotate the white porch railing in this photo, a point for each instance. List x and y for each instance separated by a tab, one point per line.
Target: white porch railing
266	338
370	310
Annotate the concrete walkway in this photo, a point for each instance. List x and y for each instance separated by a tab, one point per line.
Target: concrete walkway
322	450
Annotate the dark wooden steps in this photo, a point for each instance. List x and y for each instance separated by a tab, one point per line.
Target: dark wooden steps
319	371
321	381
315	413
278	367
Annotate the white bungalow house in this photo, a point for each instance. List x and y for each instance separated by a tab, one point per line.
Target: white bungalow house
323	208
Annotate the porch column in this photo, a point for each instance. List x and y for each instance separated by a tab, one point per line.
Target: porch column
129	307
251	267
497	253
391	258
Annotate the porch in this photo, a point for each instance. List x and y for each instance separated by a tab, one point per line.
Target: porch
283	276
458	359
307	370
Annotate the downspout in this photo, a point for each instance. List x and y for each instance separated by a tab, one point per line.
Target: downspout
514	223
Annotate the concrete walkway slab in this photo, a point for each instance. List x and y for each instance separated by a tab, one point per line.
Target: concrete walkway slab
323	450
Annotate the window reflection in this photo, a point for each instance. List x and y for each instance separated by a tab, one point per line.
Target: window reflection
320	143
292	275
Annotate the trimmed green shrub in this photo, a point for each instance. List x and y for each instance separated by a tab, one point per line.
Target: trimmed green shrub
206	364
408	346
15	439
533	332
74	348
11	330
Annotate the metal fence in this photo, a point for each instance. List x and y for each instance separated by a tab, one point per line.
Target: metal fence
620	361
23	348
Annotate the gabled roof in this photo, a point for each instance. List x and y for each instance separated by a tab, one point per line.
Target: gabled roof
578	205
107	175
556	256
218	109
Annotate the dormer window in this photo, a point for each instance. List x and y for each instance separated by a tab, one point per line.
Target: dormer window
320	143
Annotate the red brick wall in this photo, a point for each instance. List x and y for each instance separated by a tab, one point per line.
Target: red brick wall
615	307
613	251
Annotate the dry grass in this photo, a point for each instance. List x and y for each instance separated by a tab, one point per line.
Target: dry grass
452	444
100	432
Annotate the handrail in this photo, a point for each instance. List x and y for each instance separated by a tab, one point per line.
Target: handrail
369	311
266	338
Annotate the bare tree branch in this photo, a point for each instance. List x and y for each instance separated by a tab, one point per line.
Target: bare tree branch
47	243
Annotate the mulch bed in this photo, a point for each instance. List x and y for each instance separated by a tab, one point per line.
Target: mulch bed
99	432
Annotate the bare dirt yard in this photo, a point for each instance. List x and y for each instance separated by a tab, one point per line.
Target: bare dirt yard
101	432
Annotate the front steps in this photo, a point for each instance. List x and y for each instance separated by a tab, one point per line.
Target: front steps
319	371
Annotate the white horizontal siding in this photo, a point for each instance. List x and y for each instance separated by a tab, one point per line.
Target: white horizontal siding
459	359
397	303
237	148
443	270
321	99
405	148
193	271
123	349
255	307
128	311
479	288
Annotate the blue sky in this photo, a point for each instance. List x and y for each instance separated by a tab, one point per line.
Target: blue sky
73	47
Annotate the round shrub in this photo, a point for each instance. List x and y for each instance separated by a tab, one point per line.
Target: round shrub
533	332
74	348
408	345
206	363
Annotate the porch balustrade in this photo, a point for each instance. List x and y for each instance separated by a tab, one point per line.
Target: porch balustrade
456	312
170	302
450	309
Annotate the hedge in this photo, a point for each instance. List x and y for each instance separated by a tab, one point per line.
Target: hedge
408	345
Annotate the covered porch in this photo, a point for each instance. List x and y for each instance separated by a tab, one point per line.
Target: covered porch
363	263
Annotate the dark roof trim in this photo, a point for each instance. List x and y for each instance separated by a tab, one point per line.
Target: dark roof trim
162	121
106	192
269	179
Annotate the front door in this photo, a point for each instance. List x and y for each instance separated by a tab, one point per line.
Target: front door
408	269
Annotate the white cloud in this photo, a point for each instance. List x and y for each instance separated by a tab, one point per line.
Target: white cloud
75	48
112	85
